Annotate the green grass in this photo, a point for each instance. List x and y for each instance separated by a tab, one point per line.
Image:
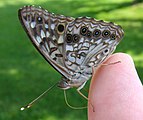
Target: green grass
24	74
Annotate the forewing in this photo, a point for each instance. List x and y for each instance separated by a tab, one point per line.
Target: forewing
46	31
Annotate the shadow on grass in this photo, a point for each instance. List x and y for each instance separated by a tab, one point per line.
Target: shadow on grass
25	74
87	8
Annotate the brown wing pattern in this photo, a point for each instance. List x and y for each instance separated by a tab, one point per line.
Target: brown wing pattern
71	46
46	32
89	42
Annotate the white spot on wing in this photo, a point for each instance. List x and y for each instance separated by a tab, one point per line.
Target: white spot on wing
46	17
99	56
47	34
51	44
106	41
73	67
76	30
79	61
69	47
68	63
33	24
79	46
54	37
86	44
82	39
98	41
76	45
38	39
91	64
72	59
75	49
91	47
27	24
60	40
92	40
111	41
93	59
42	34
46	26
53	26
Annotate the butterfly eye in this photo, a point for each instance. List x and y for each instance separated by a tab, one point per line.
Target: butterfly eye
83	30
96	33
75	38
106	33
60	28
39	19
113	36
89	34
69	38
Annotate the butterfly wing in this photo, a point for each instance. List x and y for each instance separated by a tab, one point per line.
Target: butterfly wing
46	31
88	43
71	46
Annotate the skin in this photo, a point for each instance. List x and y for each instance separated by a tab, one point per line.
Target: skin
116	91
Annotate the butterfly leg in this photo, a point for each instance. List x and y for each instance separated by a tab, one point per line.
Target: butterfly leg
78	90
111	63
72	107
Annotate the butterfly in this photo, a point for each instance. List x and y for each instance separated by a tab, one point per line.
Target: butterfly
71	45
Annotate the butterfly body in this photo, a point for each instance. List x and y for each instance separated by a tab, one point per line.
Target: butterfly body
71	45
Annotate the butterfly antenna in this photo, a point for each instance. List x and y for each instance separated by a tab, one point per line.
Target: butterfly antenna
72	107
40	96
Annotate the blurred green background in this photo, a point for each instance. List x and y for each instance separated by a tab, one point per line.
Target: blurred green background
24	74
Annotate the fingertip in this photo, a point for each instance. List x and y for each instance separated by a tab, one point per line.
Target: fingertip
112	84
125	59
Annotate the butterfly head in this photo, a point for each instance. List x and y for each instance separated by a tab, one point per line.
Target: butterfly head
64	83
